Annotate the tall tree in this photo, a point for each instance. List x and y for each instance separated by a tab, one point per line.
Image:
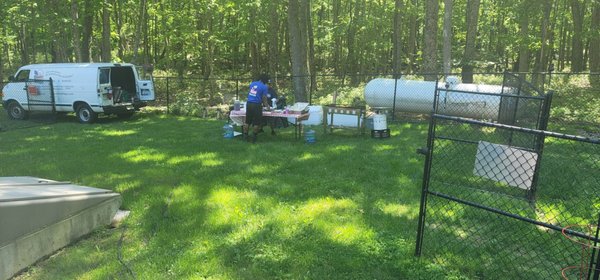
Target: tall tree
470	50
523	63
595	45
2	44
311	48
337	38
273	37
118	20
139	30
297	26
447	31
351	63
88	22
430	58
106	46
413	29
76	31
542	57
397	38
577	10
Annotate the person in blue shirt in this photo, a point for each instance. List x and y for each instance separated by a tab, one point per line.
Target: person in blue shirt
257	97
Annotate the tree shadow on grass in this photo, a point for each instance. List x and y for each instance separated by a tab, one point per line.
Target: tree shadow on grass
170	171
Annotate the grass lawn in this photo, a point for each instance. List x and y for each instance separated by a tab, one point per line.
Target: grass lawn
207	207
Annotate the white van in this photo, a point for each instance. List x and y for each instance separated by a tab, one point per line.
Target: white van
87	89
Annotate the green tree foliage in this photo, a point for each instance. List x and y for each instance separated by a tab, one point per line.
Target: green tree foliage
207	38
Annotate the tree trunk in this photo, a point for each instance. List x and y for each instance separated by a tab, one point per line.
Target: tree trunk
2	49
106	49
470	50
500	46
562	44
273	38
88	21
119	28
430	58
138	30
147	44
412	36
524	45
542	59
23	43
75	29
351	63
577	10
595	46
311	50
204	25
337	46
397	38
255	59
1	59
447	49
298	38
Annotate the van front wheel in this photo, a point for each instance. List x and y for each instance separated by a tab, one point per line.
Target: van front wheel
15	111
85	114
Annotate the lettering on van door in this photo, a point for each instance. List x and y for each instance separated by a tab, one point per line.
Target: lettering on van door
63	83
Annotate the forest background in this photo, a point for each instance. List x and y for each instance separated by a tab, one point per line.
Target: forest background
305	38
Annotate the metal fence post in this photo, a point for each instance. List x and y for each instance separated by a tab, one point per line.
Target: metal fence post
168	105
394	102
237	89
596	255
52	99
428	152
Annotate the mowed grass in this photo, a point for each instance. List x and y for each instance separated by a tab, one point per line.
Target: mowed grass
205	207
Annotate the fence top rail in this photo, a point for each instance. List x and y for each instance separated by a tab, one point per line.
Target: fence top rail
516	128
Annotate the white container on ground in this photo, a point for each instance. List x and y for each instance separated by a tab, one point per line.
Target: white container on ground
379	122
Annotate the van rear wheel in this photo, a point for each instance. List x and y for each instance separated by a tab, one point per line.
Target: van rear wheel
85	114
15	111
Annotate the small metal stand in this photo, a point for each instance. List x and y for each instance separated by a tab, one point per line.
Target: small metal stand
589	263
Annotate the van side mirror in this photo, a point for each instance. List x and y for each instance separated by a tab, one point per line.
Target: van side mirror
11	78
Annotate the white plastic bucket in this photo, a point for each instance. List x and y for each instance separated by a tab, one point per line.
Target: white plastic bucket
379	122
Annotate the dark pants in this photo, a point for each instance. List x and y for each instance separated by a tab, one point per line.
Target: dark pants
254	114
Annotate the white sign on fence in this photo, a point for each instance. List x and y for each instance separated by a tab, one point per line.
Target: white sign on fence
502	163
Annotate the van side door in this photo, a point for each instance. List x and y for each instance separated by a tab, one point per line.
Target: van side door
145	84
105	89
146	90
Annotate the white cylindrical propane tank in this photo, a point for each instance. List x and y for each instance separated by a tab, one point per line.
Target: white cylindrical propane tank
417	97
411	96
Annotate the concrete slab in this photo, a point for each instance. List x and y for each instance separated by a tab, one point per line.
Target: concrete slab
40	216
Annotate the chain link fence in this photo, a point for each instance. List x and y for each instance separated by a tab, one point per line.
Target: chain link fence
574	98
506	199
31	95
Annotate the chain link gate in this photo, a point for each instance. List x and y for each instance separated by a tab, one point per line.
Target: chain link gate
496	194
40	95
